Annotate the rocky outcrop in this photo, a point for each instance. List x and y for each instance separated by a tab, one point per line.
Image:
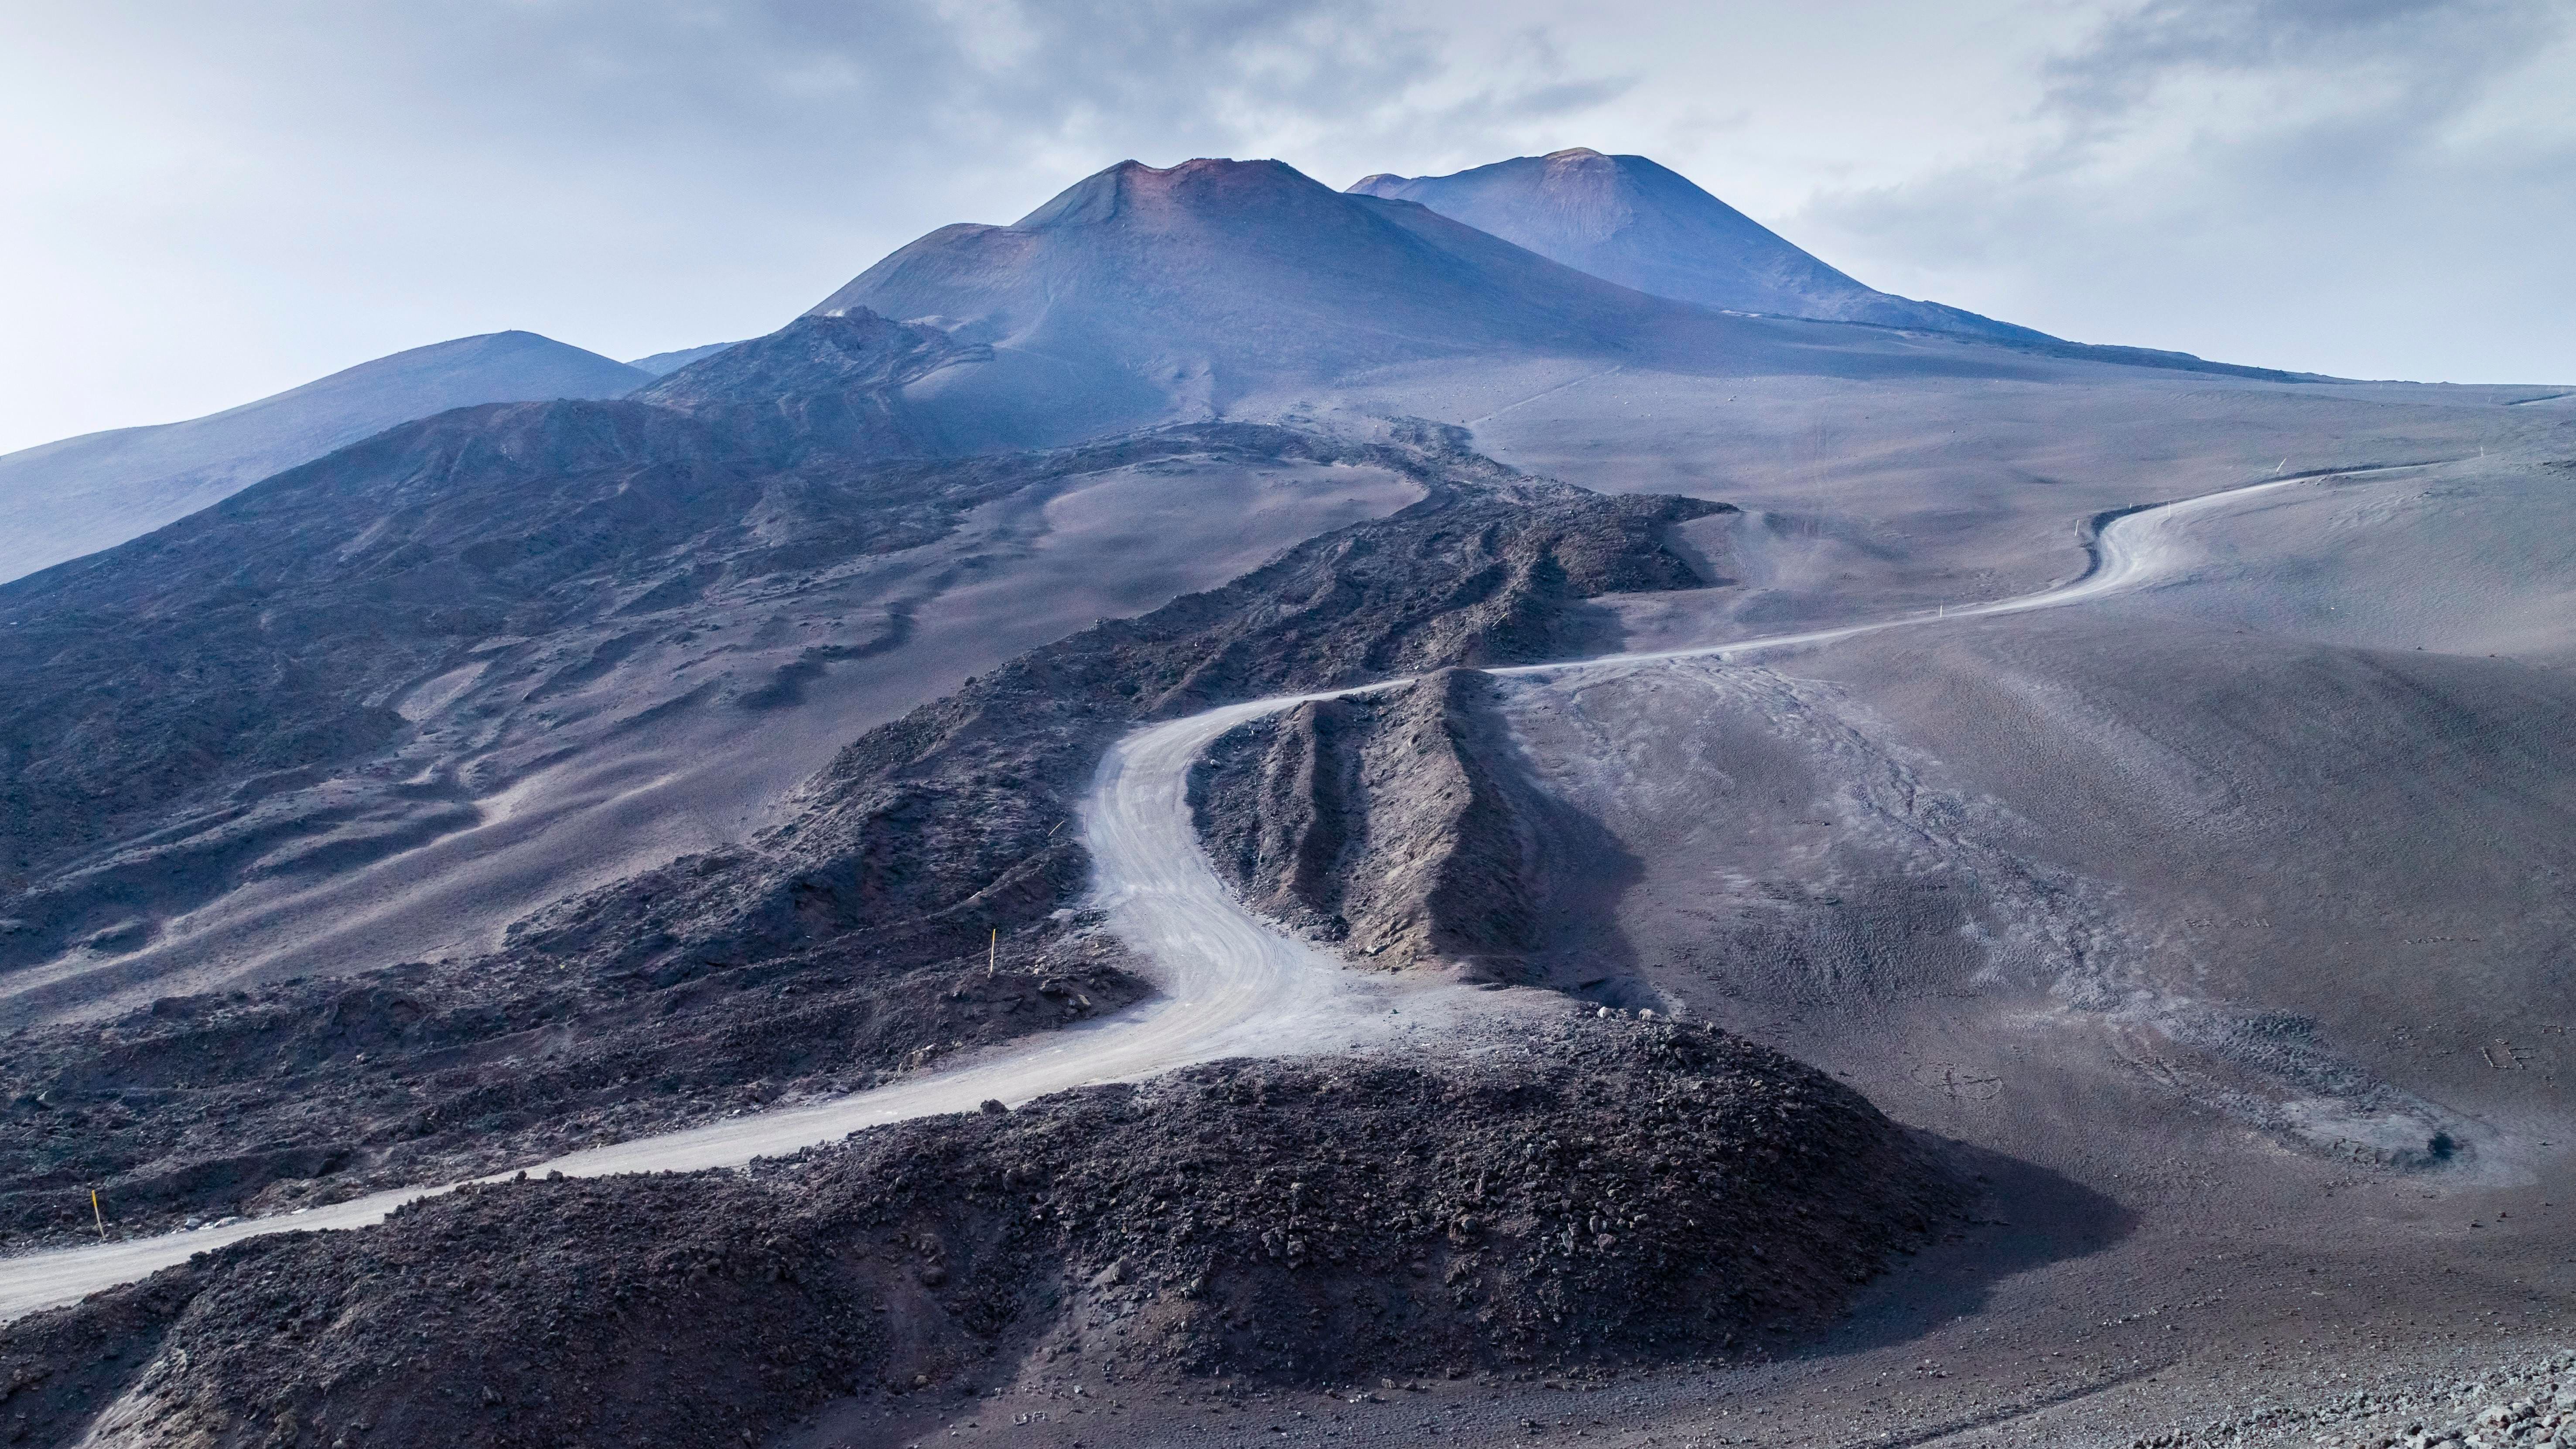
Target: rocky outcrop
1604	1191
1393	822
312	1092
820	384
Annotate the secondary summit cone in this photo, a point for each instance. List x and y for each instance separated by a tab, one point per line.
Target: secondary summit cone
1628	220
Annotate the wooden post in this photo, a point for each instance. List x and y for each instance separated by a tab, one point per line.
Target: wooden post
99	1213
993	955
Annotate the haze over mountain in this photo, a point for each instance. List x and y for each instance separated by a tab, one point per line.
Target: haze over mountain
1630	221
78	495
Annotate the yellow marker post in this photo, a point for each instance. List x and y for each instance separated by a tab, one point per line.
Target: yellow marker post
99	1213
993	954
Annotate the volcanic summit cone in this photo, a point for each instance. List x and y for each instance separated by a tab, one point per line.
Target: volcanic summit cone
1630	221
1144	293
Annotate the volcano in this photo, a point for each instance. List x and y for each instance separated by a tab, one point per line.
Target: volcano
2145	780
1628	220
1141	294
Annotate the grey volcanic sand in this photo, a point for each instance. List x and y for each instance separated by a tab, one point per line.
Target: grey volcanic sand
1894	492
2206	900
2153	898
2200	911
2163	894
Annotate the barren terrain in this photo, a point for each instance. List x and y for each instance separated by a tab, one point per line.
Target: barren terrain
2148	785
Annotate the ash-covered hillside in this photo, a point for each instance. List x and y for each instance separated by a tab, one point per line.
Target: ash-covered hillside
81	495
183	712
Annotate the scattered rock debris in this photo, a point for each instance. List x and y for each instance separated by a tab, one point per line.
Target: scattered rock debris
243	1103
2530	1404
1608	1191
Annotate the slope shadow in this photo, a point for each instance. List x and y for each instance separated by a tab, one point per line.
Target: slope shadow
2023	1216
1580	871
1587	870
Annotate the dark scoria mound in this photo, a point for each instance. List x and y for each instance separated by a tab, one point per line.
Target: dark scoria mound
1610	1191
820	385
1396	821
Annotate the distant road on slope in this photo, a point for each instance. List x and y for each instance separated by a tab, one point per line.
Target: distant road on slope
1233	984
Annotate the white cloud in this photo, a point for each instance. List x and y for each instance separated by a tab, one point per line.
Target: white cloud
2362	186
213	202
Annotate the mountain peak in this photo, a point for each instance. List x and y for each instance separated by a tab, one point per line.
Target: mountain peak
1143	293
79	495
1629	220
1208	186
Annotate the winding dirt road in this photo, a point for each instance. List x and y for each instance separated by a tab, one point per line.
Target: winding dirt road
1232	984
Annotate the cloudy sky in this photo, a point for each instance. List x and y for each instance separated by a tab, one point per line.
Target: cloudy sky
207	203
